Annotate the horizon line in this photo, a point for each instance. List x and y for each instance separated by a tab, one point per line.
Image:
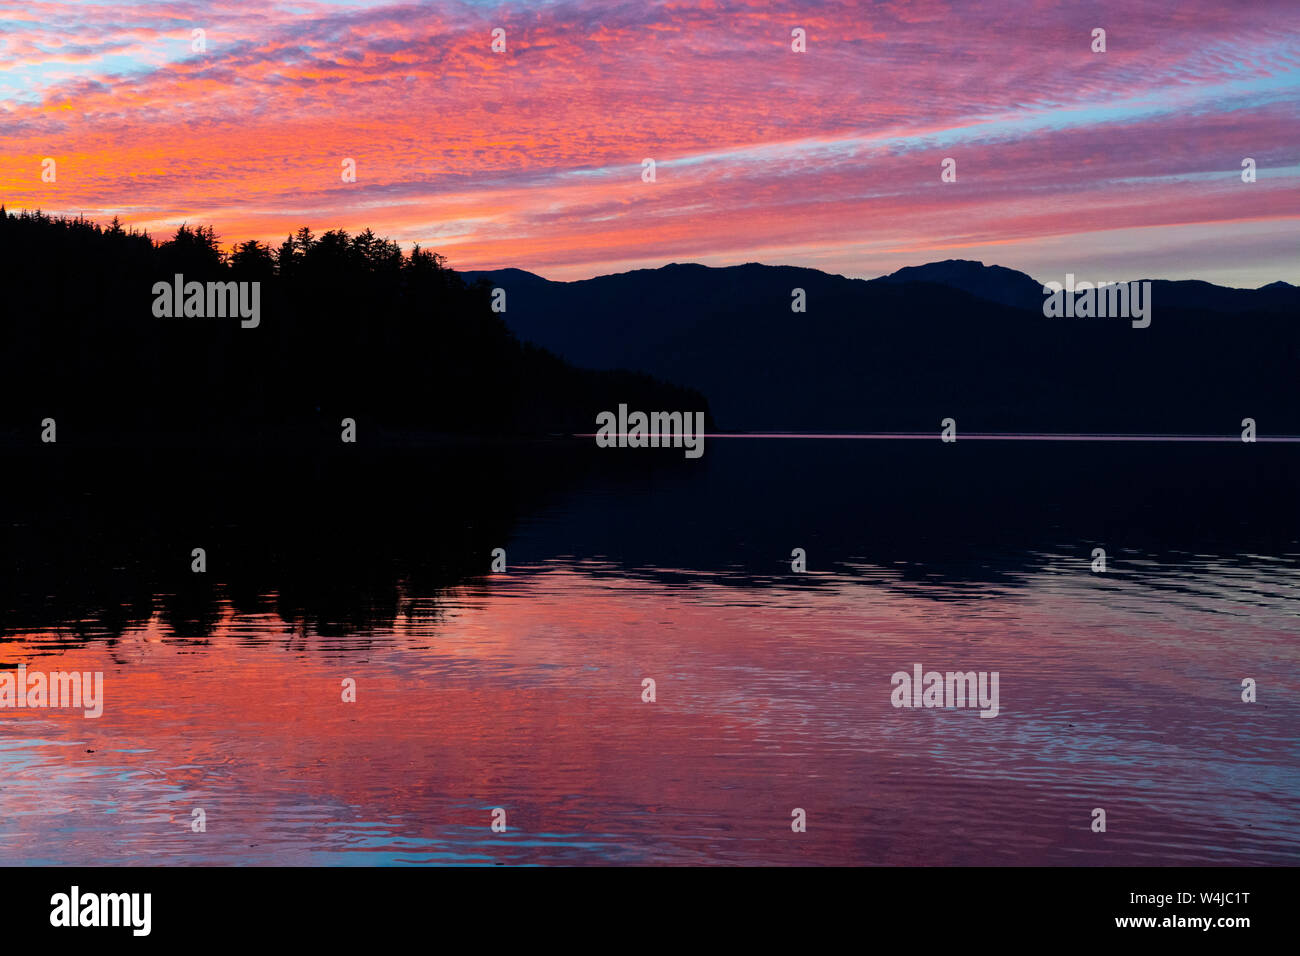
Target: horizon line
981	436
853	278
230	246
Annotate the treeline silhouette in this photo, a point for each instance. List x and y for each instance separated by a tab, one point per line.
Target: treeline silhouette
350	327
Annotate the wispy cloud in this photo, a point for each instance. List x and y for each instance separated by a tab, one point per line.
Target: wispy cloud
532	158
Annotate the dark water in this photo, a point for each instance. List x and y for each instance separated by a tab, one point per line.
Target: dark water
523	690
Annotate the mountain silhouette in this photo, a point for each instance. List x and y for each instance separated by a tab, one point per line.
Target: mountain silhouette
993	283
948	339
355	328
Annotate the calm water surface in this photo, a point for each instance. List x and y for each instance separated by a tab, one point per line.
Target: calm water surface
523	690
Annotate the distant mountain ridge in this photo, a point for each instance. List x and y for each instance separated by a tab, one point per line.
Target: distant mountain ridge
944	339
991	282
994	283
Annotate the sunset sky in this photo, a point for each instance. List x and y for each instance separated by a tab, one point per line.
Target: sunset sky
1119	165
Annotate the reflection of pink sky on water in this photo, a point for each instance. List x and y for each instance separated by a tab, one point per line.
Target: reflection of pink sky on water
525	693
